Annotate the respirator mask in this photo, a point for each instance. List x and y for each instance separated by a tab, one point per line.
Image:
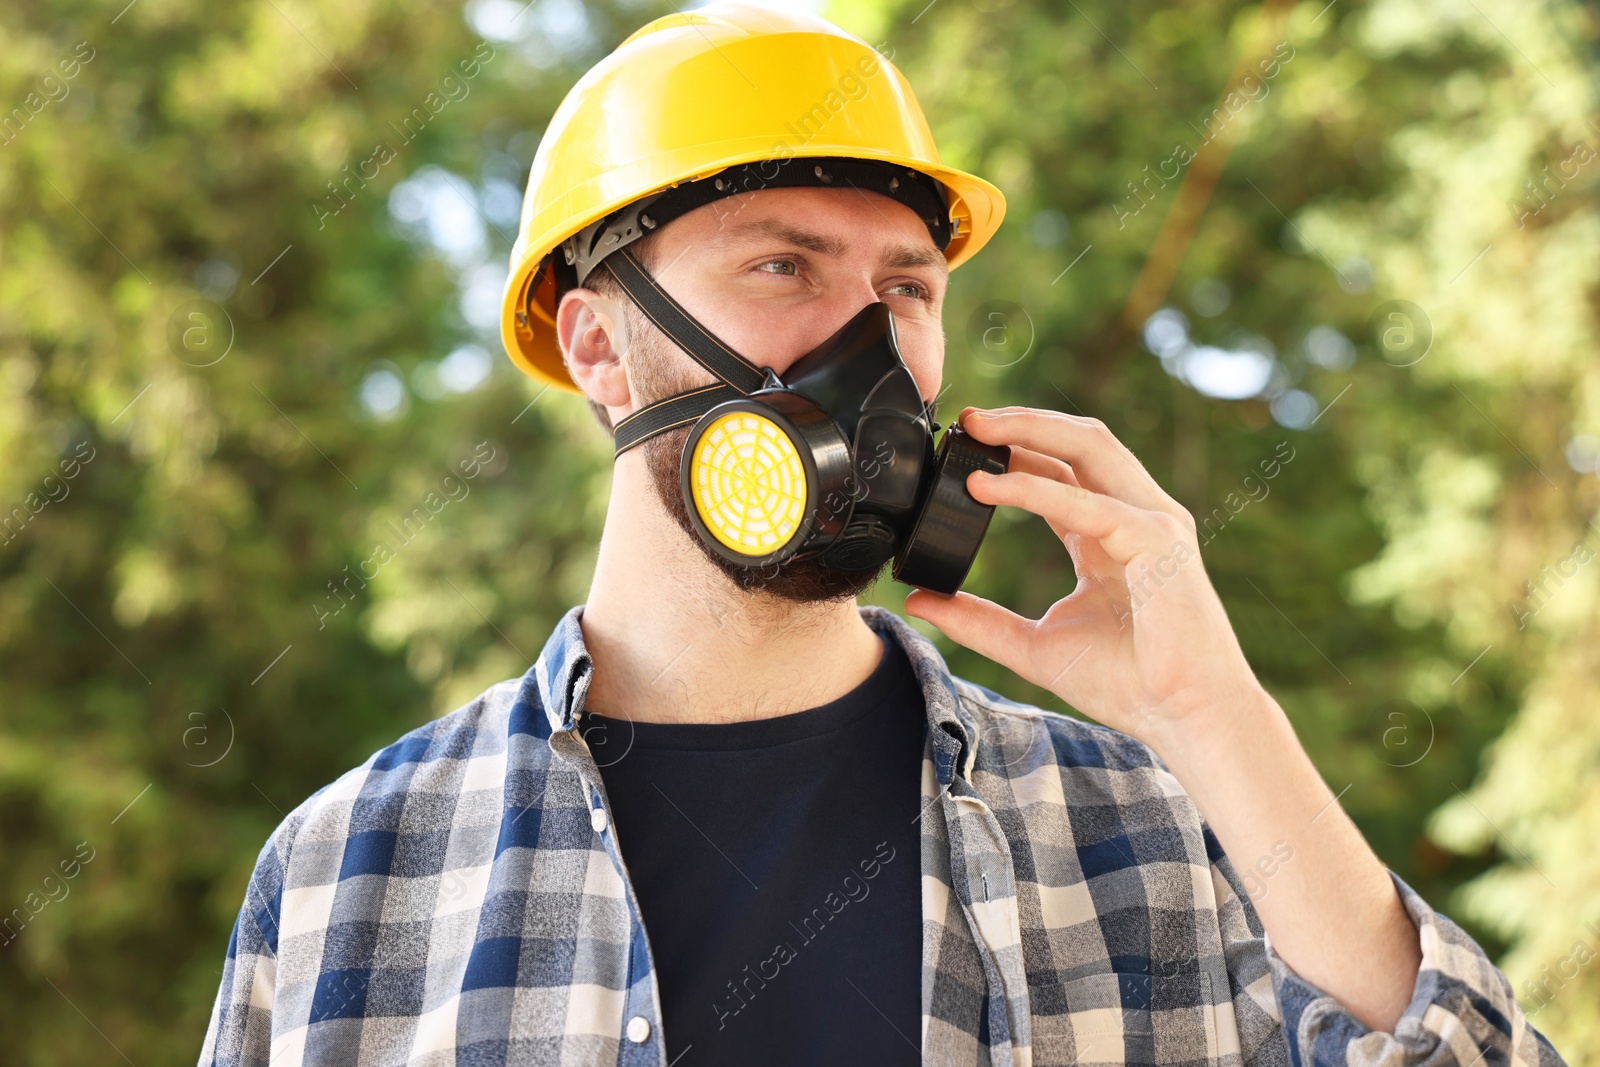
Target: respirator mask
836	459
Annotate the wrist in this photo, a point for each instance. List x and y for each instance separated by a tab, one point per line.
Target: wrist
1242	760
1201	728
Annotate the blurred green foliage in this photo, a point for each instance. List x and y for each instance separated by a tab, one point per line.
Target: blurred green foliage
244	259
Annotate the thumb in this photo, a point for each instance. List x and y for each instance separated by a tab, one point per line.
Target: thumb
988	629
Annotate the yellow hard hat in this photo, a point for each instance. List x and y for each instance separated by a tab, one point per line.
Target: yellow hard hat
692	94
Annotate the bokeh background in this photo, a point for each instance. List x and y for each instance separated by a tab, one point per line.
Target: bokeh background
1331	269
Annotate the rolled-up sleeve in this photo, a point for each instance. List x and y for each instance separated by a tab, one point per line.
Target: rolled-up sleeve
1462	1010
1462	1013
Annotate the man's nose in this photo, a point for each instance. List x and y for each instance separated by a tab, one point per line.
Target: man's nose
845	303
859	293
842	303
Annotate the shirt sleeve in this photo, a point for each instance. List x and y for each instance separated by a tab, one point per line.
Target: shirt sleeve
1462	1011
240	1030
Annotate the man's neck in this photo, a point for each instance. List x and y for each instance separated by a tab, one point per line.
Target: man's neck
673	640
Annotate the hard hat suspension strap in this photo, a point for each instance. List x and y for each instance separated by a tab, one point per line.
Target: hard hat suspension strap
597	242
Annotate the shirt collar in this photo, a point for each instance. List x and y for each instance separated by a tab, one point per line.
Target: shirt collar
563	669
562	672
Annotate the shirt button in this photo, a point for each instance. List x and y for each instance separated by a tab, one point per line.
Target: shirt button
638	1029
597	819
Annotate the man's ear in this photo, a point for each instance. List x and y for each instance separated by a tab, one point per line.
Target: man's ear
593	333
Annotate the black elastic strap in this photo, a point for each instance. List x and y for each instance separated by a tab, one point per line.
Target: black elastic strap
669	414
670	318
739	377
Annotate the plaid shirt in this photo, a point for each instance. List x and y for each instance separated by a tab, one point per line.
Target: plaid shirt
460	898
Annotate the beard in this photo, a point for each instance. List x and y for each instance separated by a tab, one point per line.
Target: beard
662	370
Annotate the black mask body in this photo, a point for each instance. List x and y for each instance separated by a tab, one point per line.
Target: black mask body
834	460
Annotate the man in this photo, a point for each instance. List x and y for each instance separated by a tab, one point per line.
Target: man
730	814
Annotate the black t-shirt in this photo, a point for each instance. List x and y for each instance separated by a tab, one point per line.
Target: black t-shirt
778	871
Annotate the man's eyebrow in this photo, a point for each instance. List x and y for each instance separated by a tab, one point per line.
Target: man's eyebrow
784	231
916	256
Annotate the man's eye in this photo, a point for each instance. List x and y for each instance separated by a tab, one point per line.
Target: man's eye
789	264
917	292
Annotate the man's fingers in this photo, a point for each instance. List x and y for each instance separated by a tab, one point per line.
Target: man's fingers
1030	462
1102	463
1123	530
988	629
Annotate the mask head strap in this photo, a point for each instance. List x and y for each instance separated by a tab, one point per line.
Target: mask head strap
736	376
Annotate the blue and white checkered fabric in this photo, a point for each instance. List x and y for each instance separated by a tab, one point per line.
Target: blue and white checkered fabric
460	898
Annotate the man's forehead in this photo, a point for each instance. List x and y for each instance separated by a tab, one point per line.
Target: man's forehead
901	245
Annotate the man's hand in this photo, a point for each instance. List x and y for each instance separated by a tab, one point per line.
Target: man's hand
1143	645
